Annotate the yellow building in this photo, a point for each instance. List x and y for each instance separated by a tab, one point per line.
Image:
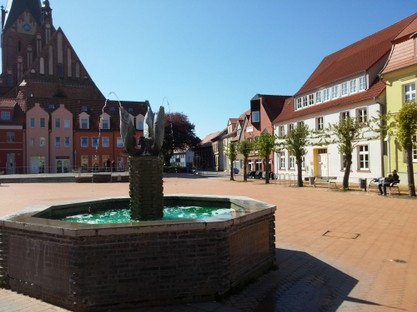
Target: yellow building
400	77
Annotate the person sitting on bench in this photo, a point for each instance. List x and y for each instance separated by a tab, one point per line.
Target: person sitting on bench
383	183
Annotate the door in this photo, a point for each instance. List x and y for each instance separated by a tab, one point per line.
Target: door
322	165
11	163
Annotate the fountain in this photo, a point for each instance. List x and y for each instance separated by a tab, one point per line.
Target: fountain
142	262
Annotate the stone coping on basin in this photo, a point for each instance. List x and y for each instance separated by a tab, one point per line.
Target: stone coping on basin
35	218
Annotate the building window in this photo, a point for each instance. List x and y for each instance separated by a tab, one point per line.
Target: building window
310	99
282	160
362	83
255	116
5	115
291	162
344	88
105	124
42	142
84	123
105	141
94	142
281	131
362	115
318	97
352	85
363	157
326	95
67	142
67	123
304	101
299	103
335	92
32	122
84	142
57	123
119	142
344	115
290	128
10	137
319	123
42	122
410	92
57	142
300	124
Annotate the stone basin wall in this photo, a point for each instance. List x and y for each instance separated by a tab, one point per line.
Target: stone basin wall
91	268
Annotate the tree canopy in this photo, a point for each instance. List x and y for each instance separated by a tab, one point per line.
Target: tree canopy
179	134
265	144
245	147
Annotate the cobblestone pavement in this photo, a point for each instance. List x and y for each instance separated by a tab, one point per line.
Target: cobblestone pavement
336	251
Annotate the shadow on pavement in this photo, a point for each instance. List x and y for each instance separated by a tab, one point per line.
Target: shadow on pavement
305	283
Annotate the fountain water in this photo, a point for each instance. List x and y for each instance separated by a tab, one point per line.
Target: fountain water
96	267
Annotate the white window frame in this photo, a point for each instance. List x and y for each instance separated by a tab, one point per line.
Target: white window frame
282	160
105	141
344	89
95	142
352	86
291	162
326	95
344	115
320	123
409	90
67	141
318	97
363	157
362	83
362	115
335	91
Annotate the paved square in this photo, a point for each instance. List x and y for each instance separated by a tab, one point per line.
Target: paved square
376	271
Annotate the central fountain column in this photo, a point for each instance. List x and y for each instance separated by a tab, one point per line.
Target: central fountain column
146	187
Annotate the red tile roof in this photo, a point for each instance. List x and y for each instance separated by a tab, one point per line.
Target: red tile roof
355	58
288	112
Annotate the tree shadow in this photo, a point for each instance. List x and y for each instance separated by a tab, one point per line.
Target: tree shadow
305	283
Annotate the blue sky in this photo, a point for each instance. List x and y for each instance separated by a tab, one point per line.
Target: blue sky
208	58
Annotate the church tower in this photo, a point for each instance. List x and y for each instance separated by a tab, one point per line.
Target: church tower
37	58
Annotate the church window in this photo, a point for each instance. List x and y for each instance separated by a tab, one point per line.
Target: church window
42	66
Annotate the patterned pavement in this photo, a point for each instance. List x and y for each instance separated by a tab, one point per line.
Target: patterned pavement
336	251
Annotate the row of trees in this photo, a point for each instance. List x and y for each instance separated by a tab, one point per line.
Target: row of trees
346	134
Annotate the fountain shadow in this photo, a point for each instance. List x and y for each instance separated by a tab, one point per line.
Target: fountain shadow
305	283
301	283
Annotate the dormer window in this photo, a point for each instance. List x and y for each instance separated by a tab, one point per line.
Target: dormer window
139	122
105	121
255	116
84	108
84	121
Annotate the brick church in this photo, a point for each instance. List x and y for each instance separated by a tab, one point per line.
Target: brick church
53	117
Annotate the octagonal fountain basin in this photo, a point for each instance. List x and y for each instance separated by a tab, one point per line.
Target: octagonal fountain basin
94	267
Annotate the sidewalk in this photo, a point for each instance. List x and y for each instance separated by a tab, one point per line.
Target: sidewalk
336	251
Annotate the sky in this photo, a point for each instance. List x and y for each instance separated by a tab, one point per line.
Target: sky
208	58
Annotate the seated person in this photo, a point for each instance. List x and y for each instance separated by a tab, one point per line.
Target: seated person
383	183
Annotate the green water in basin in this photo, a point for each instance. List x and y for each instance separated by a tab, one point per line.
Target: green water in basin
170	213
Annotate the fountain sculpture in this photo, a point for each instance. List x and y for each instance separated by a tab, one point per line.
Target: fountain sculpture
100	267
145	165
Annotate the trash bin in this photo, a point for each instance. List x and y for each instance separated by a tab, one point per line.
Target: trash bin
362	184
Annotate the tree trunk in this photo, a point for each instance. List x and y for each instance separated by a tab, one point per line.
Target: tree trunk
232	177
266	170
299	174
410	170
348	164
245	165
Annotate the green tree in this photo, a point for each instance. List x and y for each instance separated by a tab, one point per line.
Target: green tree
231	155
403	126
245	147
295	142
265	144
346	134
179	134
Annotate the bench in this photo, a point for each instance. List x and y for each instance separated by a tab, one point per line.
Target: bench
331	181
392	186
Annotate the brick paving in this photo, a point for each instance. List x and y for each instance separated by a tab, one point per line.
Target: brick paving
336	251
